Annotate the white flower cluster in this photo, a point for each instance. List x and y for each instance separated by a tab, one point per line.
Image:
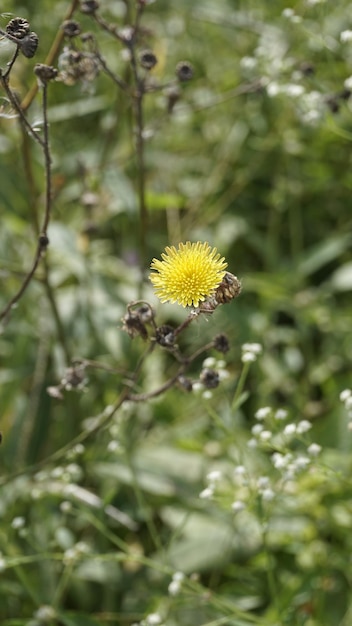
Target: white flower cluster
174	587
250	352
212	479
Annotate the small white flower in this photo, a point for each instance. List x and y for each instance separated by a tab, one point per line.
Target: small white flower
214	476
265	435
252	443
197	387
346	393
255	348
18	522
207	394
65	506
294	91
290	429
257	429
174	588
207	493
113	446
273	89
262	413
153	619
346	36
248	357
314	449
262	482
288	13
178	576
240	470
248	63
280	414
301	462
268	494
238	506
45	613
303	426
209	362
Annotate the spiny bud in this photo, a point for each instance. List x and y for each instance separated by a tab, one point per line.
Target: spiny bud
184	71
229	288
147	59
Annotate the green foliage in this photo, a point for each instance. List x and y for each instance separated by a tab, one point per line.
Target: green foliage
126	497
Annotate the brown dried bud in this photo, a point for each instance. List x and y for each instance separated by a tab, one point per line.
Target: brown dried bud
74	377
133	325
184	71
209	378
29	45
18	27
43	241
89	6
221	343
71	28
45	72
165	336
229	288
147	59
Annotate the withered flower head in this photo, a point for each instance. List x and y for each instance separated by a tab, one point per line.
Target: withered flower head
29	45
184	71
147	59
210	378
18	27
229	288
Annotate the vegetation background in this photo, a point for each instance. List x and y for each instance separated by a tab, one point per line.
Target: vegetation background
132	514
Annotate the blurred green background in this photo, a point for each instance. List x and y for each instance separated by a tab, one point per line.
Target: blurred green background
255	158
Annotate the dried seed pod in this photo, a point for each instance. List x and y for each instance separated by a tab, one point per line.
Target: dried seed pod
89	6
147	59
18	27
133	325
45	72
229	288
29	45
221	343
165	336
71	28
184	71
209	378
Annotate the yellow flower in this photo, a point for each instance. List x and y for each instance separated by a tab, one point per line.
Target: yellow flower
187	275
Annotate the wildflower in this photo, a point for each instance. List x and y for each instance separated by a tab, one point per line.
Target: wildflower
314	449
189	274
346	36
237	506
262	413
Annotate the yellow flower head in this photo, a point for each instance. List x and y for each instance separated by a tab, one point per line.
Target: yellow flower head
189	274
